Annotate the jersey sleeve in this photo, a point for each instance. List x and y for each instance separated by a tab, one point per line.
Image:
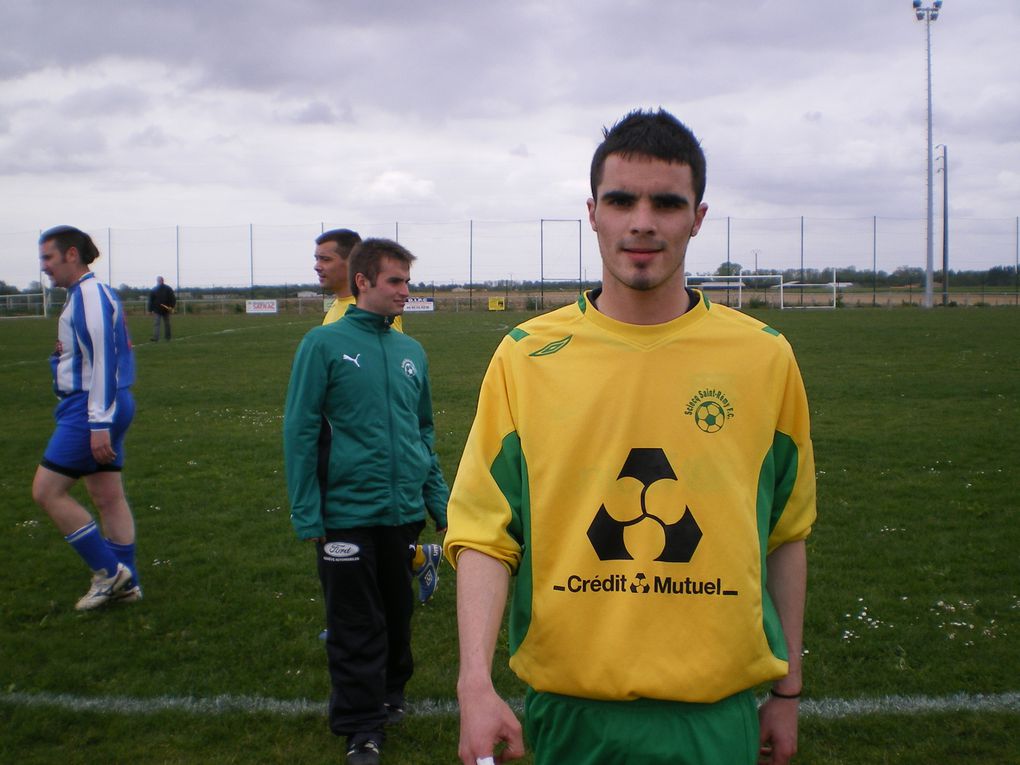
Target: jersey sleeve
302	420
435	492
794	508
490	491
99	349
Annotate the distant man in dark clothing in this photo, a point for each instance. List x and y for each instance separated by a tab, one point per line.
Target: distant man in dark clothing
161	304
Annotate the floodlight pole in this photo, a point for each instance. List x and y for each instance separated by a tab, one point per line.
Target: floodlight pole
945	222
928	14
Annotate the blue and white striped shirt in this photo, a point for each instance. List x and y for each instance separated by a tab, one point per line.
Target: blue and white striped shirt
93	353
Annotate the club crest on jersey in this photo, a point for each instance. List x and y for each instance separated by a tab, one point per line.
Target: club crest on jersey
409	368
711	410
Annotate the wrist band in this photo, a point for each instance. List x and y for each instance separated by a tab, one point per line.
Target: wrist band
779	695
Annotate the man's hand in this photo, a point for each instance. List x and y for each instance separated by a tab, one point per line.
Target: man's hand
778	739
102	447
486	721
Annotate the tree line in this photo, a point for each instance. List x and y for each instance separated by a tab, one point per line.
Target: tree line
996	276
904	276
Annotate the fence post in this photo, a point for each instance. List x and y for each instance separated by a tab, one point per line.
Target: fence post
874	261
177	229
541	262
251	258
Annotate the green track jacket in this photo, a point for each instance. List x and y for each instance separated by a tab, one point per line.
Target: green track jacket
358	429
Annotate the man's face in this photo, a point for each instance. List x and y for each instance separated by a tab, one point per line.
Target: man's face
644	217
63	272
331	268
390	292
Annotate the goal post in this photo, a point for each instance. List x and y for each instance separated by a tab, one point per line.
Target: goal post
560	235
23	304
815	294
766	288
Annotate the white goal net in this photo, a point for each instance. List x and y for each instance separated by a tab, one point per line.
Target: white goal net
767	291
752	291
22	304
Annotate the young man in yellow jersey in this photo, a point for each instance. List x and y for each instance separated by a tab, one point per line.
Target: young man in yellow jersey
641	462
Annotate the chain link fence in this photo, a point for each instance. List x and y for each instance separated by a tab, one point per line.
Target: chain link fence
881	260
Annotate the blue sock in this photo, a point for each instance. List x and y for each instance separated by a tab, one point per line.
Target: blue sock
125	554
93	549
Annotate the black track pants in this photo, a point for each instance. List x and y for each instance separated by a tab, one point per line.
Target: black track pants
366	585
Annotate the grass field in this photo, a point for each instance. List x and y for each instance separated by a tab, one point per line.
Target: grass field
914	593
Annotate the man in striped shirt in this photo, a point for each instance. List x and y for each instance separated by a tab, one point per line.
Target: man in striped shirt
93	370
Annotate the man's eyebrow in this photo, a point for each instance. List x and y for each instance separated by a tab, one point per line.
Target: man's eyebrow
619	196
672	200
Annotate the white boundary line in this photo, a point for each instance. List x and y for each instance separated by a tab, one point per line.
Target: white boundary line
829	709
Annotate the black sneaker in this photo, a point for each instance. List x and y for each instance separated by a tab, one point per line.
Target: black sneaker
394	714
365	753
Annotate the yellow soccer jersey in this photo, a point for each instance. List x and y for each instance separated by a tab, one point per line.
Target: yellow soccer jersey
634	479
339	308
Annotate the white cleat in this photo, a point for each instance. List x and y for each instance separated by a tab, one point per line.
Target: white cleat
104	588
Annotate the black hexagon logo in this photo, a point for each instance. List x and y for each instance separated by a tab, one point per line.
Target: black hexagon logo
606	533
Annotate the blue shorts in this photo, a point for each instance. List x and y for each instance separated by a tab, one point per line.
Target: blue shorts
69	451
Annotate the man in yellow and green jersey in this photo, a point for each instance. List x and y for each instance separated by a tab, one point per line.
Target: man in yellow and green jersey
641	463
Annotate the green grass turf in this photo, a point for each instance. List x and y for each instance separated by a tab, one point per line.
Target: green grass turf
914	585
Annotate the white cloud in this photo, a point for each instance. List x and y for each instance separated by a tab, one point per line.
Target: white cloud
202	113
396	187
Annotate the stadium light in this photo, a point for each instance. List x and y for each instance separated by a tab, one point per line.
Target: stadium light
928	14
945	221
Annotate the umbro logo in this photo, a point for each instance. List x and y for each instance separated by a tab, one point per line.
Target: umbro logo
353	360
553	347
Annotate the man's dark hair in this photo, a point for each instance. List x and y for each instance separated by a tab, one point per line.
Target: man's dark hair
367	259
345	240
67	237
658	135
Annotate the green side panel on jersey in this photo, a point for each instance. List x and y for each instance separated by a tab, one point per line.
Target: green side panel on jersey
517	334
775	484
510	472
771	331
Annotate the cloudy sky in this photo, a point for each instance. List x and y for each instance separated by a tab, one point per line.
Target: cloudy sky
410	119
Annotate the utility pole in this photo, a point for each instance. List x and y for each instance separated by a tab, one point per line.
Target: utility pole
928	14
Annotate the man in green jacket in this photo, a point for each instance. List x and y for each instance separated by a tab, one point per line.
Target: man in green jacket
362	492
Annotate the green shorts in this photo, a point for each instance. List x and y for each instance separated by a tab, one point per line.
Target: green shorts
570	731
